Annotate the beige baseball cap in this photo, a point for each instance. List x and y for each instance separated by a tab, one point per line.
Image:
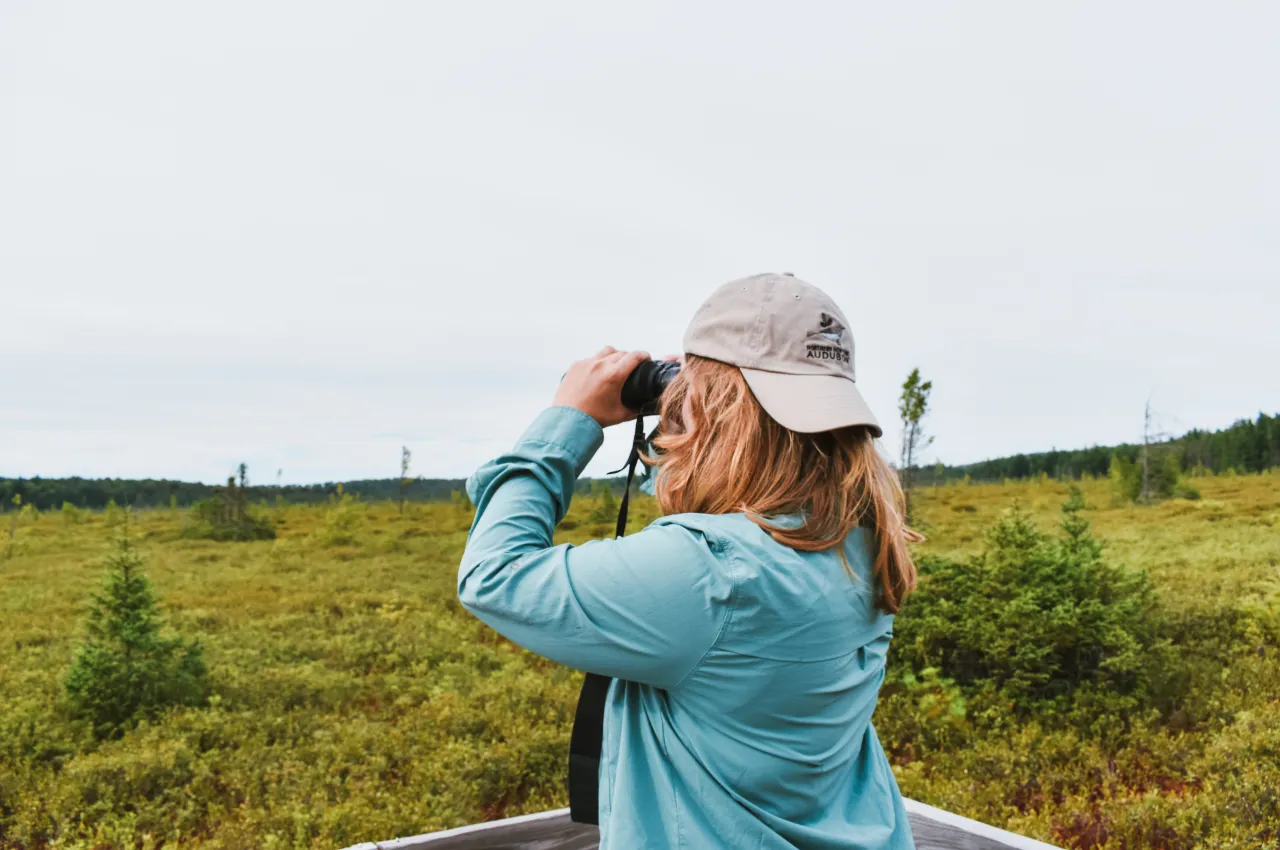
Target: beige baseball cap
793	346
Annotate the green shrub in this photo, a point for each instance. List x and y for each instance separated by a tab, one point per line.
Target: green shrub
72	515
461	504
227	516
605	509
16	544
1164	472
921	713
114	515
341	522
125	669
1036	621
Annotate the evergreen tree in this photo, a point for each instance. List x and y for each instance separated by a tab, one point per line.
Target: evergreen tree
126	669
1077	541
1163	478
1040	623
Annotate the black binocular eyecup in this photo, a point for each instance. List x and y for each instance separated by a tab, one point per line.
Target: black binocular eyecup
646	383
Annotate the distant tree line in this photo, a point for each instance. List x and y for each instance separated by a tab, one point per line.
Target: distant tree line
1246	446
95	493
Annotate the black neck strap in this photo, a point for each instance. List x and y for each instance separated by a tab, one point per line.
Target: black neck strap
588	719
633	459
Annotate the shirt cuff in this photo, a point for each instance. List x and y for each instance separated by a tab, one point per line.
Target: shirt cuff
569	429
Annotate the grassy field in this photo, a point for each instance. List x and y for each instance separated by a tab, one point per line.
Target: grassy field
354	700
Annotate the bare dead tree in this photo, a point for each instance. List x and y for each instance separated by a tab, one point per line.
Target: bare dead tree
912	406
405	480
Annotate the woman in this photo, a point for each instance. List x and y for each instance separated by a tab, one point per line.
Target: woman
746	629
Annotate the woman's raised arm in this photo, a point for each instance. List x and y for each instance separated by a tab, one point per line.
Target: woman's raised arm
644	608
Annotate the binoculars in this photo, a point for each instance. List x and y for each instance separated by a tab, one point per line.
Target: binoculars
645	384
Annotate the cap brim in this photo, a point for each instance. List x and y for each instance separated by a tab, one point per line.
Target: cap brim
811	403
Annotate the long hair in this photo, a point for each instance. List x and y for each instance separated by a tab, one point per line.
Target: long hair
719	452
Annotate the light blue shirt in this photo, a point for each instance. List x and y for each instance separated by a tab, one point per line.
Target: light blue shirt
746	671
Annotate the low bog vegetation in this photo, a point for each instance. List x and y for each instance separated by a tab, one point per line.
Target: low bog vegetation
1104	676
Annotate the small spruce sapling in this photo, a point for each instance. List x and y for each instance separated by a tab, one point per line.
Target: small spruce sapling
1078	541
126	669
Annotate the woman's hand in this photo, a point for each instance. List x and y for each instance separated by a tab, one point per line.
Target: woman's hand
594	385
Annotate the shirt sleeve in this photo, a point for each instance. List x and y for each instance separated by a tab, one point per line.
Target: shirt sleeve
644	608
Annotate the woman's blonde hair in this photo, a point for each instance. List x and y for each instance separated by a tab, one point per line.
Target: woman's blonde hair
731	456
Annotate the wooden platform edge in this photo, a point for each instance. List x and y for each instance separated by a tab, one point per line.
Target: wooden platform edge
933	829
927	821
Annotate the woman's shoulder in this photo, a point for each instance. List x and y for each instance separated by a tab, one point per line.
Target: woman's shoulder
777	587
751	552
726	535
740	535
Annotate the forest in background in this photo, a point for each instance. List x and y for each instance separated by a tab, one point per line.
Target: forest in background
1246	446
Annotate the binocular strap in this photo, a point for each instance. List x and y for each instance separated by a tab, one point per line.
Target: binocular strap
584	750
588	718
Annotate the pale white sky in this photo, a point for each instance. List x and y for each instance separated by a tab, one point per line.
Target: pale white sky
302	234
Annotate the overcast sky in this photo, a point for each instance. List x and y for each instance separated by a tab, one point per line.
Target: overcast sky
304	234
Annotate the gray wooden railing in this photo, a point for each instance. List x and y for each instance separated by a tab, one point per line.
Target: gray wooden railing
933	828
